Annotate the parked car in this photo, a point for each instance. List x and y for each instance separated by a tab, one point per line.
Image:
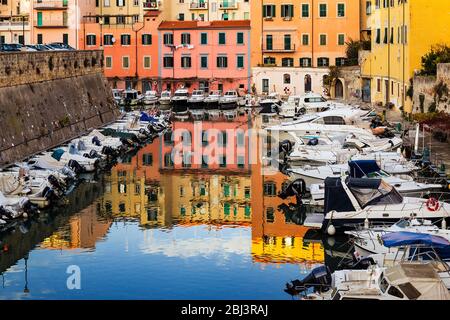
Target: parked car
39	47
60	46
10	47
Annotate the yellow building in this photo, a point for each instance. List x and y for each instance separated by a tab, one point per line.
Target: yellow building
14	21
401	33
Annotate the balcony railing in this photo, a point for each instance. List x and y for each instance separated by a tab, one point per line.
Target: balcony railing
198	6
228	5
50	4
151	5
279	48
52	24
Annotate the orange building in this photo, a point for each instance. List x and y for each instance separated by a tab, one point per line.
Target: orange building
130	47
58	20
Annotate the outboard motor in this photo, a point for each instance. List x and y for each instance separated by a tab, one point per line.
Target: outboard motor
108	151
96	141
68	172
54	182
296	188
286	146
313	142
75	166
81	145
359	264
319	279
49	194
30	208
7	214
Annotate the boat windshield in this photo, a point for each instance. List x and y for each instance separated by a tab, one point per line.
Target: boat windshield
373	192
165	94
315	100
215	93
182	108
197	93
180	94
383	283
402	224
378	174
230	93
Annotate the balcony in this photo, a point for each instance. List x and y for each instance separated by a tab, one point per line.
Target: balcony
202	5
228	5
50	4
279	48
151	5
52	24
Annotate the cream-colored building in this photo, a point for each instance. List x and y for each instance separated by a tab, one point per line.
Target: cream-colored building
14	21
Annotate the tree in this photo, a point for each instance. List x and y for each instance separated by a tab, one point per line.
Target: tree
333	75
352	50
438	54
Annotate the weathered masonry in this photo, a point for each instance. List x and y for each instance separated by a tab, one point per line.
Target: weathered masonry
47	98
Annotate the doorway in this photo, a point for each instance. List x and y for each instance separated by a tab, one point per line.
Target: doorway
338	89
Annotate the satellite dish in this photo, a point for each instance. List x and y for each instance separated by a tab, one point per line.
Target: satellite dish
113	40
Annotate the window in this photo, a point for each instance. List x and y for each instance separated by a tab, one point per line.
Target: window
168	160
270	189
240	61
222	38
305	39
287	10
265	85
204	62
269	61
323	62
120	20
185	38
223	161
39	38
287	42
168	62
340	62
270	215
222	62
204	38
287	62
181	16
269	42
147	159
268	11
368	8
65	39
240	139
226	209
108	39
341	10
125	62
168	38
385	39
378	37
222	139
147	62
146	39
378	85
323	39
240	38
323	10
108	62
286	78
305	62
125	39
91	40
186	62
341	39
305	10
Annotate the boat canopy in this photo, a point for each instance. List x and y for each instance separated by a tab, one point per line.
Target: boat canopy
404	238
373	192
361	168
366	191
147	118
57	154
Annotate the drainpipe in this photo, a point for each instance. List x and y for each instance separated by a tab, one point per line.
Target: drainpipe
388	93
312	33
136	49
403	58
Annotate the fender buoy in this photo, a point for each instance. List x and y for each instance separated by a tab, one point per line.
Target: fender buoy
433	204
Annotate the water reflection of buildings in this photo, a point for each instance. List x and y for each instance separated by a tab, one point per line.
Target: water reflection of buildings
277	233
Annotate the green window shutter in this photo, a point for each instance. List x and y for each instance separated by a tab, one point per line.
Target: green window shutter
240	62
222	38
226	209
247	211
226	190
240	38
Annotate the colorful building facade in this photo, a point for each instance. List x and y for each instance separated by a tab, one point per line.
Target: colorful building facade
292	35
204	55
401	33
58	20
14	21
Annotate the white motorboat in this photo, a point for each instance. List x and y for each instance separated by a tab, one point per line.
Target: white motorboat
165	100
337	116
351	201
180	102
270	103
59	158
212	100
368	241
405	281
117	95
150	98
196	100
230	100
307	103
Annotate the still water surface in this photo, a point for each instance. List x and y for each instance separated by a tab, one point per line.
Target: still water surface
151	230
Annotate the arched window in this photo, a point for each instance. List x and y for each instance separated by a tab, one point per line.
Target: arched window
308	83
286	78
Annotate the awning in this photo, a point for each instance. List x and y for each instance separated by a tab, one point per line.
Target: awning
403	238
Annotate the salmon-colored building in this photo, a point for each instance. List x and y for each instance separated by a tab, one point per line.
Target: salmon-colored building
58	20
205	55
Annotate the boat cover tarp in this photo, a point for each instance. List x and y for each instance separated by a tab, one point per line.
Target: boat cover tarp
373	192
418	281
361	168
404	238
57	154
147	118
335	196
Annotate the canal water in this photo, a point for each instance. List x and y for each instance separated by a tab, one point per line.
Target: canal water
153	229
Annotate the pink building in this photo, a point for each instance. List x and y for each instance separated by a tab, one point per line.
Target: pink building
205	55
